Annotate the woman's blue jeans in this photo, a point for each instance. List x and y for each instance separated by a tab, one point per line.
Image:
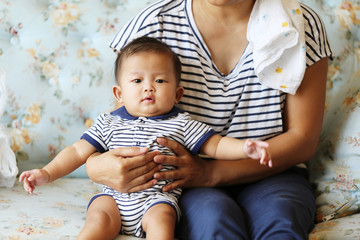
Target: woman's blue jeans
278	207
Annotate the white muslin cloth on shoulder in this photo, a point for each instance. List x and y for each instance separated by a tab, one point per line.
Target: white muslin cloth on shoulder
277	36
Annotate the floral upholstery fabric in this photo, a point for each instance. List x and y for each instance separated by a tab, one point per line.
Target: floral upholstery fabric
55	211
59	69
335	169
59	77
58	210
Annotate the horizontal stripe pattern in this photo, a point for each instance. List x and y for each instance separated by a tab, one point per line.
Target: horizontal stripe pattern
112	131
133	206
236	104
122	130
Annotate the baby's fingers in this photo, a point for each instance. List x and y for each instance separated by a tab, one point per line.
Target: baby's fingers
270	163
29	178
265	158
24	175
262	144
28	186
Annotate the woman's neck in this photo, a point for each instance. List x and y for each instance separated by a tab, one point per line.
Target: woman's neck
223	26
224	14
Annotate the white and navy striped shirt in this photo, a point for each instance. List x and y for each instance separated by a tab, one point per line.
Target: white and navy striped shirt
236	105
120	129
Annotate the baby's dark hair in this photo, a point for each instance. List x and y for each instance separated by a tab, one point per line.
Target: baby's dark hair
147	44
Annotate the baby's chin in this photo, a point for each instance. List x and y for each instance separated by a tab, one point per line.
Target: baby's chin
149	113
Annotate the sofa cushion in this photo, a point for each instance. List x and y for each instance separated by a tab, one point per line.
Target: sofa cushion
346	228
58	211
335	169
60	71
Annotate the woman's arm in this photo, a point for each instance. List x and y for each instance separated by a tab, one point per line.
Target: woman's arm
123	169
303	116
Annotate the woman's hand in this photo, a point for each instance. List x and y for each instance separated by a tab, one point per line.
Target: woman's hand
191	170
124	169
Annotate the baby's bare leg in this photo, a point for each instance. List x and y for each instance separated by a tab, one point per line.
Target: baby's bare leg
159	222
103	220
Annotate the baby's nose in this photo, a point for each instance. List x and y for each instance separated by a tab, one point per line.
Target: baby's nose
149	88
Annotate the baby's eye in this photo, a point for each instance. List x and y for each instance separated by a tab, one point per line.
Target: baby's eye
160	81
137	80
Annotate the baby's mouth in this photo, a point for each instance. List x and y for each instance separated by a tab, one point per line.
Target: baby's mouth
149	99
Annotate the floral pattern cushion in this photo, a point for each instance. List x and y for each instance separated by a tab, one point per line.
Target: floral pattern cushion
58	211
335	169
346	228
55	211
59	70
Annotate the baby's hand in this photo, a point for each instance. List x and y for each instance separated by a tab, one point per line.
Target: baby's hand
32	178
258	150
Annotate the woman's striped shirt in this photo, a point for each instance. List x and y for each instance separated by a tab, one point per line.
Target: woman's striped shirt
235	104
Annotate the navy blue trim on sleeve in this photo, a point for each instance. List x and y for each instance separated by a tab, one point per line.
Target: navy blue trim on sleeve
203	139
94	143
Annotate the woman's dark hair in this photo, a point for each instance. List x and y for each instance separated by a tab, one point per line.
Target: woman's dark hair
147	44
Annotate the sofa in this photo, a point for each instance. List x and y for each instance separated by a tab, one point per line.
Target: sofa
57	62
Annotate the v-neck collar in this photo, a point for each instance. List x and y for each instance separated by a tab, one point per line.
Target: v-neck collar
203	46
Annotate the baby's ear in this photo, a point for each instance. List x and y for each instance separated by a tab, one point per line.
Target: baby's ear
117	93
179	94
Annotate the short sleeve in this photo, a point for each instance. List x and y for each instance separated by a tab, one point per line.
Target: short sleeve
317	43
196	134
96	136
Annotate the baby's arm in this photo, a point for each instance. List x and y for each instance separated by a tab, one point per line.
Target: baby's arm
64	163
227	148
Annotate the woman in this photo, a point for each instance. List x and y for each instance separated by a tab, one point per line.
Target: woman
225	89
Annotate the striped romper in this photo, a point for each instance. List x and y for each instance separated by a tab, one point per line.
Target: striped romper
120	129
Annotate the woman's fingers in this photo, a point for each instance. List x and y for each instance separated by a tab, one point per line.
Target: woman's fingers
128	151
130	169
141	177
137	166
176	147
190	169
173	185
142	187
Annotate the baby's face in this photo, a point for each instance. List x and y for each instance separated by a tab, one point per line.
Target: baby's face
148	85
